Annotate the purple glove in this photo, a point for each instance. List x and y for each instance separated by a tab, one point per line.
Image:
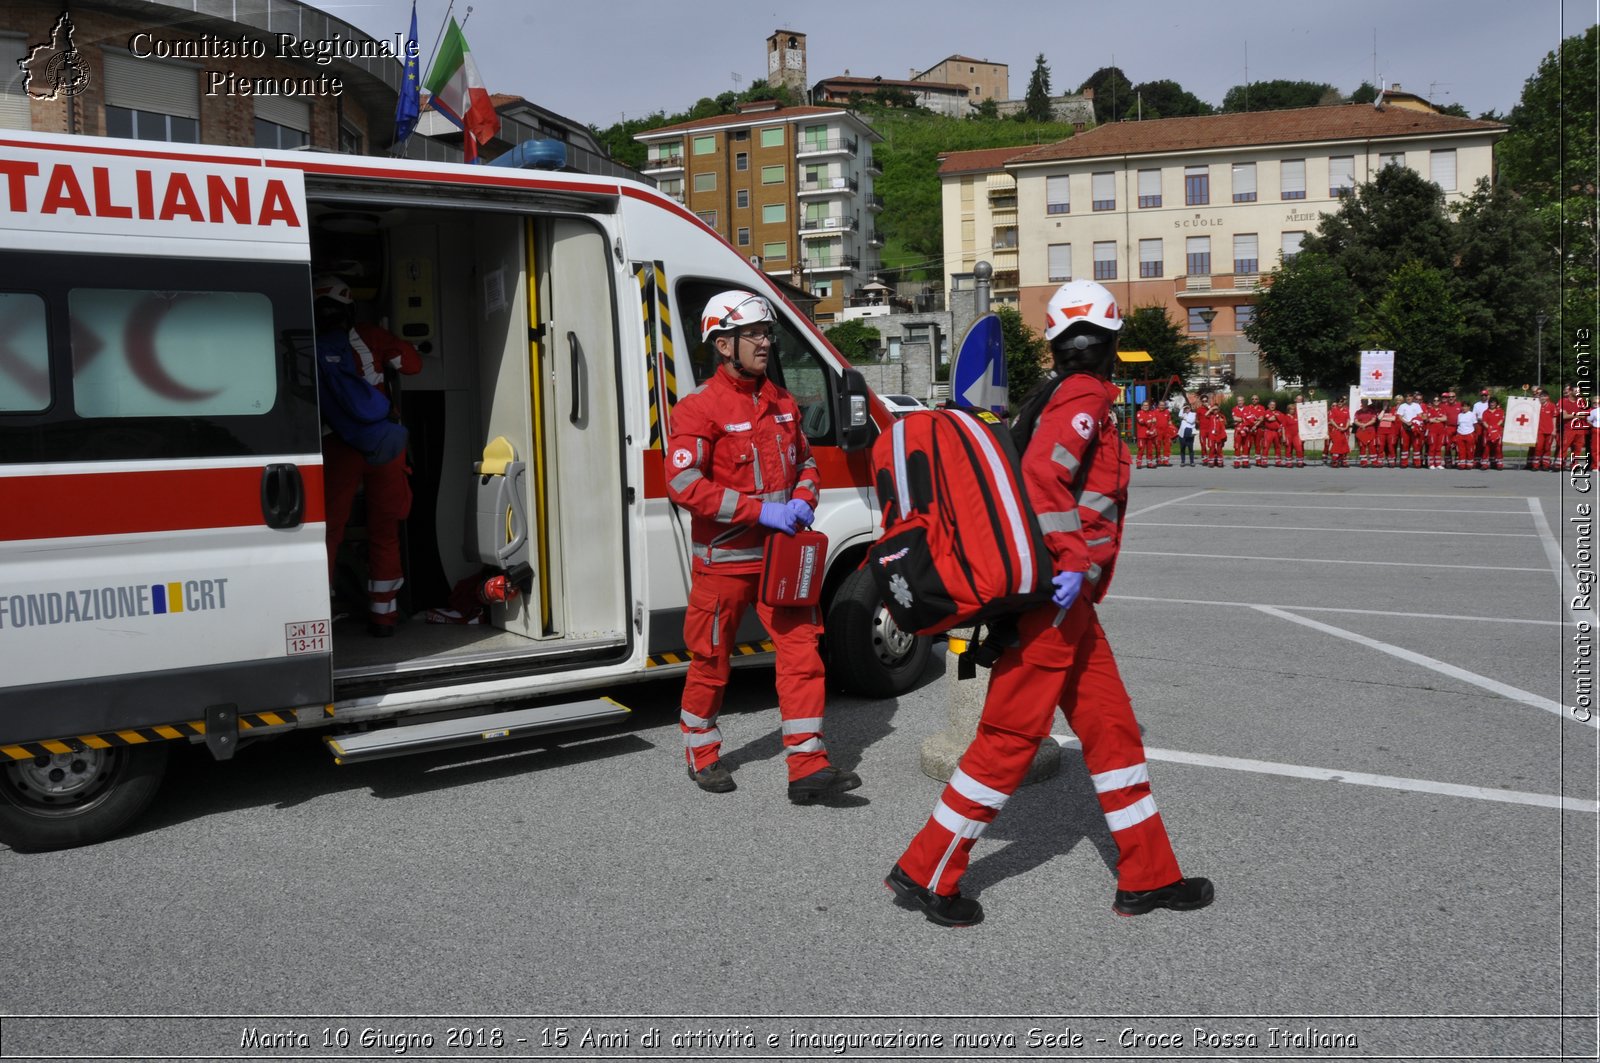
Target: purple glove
1068	584
777	516
802	512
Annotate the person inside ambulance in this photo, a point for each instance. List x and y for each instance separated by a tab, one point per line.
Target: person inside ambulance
739	463
1076	469
363	445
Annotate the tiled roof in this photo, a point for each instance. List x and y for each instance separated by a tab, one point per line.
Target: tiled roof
847	82
980	160
1301	125
743	119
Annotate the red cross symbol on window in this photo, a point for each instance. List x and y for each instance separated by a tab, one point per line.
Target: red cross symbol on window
1377	374
1522	418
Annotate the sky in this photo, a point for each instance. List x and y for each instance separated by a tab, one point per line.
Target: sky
598	62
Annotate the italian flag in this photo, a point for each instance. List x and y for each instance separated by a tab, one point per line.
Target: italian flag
457	91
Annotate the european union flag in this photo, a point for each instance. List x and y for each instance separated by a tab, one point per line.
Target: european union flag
410	103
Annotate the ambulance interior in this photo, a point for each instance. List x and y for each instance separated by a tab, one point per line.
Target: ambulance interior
515	427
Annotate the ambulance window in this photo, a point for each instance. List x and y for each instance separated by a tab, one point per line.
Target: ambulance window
140	353
24	353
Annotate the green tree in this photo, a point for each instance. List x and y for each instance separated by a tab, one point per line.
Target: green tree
1172	351
1305	322
1027	355
1168	99
1395	217
988	110
1417	318
1506	275
1278	96
1366	92
854	339
1113	93
1036	104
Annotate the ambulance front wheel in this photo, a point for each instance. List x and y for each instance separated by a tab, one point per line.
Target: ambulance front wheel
868	653
58	800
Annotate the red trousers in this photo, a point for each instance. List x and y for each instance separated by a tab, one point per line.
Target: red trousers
1070	666
388	493
717	603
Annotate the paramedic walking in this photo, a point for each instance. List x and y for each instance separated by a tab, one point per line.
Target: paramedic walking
362	445
1076	472
739	463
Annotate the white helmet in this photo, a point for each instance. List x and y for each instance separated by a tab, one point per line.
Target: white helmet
329	286
1081	302
734	309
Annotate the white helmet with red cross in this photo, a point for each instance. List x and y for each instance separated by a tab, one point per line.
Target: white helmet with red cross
1081	302
732	310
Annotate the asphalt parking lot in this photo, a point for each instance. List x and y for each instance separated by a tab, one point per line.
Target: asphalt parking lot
1358	699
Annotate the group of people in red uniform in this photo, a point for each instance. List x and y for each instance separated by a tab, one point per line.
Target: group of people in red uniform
1407	432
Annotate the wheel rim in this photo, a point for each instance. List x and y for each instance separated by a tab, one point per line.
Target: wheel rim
889	642
63	783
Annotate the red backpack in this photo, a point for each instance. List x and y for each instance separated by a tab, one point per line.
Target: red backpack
960	544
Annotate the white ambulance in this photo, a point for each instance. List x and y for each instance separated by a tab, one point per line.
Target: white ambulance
163	574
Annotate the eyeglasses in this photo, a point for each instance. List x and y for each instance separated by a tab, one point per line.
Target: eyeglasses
757	335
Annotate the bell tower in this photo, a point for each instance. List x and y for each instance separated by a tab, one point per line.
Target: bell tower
786	62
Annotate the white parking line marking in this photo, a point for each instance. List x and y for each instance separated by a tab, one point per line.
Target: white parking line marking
1367	531
1494	686
1558	566
1335	609
1320	561
1358	494
1360	778
1169	502
1372	509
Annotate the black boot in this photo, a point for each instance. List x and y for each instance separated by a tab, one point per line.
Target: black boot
1184	895
944	909
825	782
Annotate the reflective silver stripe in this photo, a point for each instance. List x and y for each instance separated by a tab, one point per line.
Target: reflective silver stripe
699	452
755	466
384	608
775	496
1000	473
1065	458
973	790
808	484
1103	540
956	823
1134	814
810	745
1119	778
1060	522
1093	575
689	719
379	585
902	489
807	725
1102	504
716	626
681	482
730	505
701	552
736	555
695	741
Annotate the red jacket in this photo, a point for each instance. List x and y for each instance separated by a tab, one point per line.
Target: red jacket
1080	505
736	444
377	347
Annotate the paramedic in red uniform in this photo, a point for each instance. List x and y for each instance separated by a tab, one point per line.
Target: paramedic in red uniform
346	470
1493	423
1144	431
1166	432
1539	456
1337	454
1076	471
739	463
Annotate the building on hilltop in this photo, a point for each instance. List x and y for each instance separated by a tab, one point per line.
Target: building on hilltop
1187	213
790	187
984	80
940	97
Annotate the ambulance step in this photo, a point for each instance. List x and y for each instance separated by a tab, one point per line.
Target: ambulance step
473	730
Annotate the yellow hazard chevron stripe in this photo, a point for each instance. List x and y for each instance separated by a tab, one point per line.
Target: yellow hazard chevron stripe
745	649
253	721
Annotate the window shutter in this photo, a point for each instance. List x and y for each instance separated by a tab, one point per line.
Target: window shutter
1244	178
147	85
1443	166
291	114
14	110
1294	177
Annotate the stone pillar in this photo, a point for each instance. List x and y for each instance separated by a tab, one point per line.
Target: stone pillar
941	751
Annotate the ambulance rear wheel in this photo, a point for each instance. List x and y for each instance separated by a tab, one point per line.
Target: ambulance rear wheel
868	654
58	800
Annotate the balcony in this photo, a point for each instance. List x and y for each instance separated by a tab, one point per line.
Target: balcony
663	162
1218	284
834	145
827	185
871	165
832	264
874	238
874	201
829	226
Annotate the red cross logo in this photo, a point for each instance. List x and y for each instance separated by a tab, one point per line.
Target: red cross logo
1312	421
1377	374
1522	418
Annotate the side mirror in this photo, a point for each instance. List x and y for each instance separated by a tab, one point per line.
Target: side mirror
855	411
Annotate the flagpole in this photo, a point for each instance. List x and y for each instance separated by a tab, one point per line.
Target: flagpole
442	24
467	17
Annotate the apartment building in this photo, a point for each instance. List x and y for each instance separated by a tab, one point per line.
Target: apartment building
1187	213
791	187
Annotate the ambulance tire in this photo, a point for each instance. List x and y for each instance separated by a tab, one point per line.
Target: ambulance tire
60	802
867	653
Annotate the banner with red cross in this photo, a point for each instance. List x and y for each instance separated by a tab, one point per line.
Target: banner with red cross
1377	374
1522	420
1313	421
